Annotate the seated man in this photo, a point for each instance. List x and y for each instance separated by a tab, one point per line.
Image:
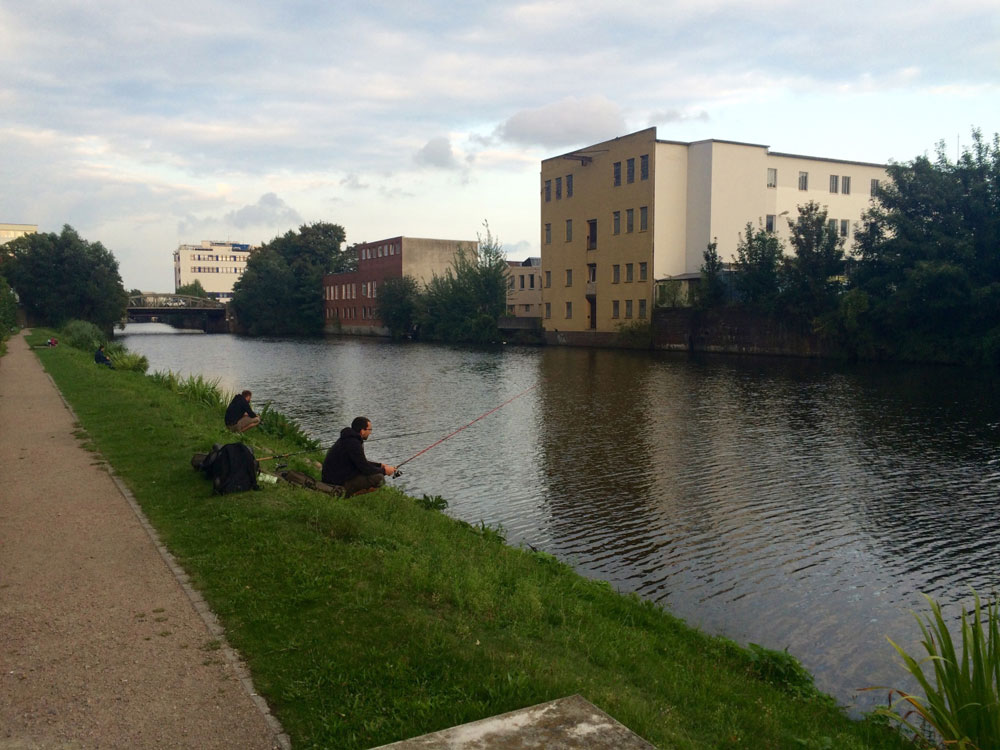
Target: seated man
100	357
239	416
346	464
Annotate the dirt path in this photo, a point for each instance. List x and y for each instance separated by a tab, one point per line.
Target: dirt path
101	644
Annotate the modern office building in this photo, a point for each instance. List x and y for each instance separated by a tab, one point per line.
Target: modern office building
620	215
524	288
9	232
217	265
350	298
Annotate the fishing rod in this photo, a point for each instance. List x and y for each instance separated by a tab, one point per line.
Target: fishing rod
286	455
451	435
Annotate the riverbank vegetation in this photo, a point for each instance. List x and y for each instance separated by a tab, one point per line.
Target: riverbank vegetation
373	619
923	283
462	305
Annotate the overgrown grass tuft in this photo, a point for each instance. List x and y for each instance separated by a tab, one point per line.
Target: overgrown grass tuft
82	335
372	619
962	705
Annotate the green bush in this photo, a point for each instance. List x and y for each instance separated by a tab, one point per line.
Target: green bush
276	424
81	334
963	703
123	359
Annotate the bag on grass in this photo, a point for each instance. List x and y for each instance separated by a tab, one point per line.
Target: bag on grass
232	468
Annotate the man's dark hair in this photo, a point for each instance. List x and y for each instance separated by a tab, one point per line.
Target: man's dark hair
247	394
360	423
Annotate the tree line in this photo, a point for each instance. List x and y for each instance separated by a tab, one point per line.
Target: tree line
922	283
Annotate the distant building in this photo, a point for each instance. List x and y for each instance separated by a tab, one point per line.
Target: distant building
524	288
618	216
350	299
217	265
9	232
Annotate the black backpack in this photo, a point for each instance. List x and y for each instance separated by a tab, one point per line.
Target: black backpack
232	468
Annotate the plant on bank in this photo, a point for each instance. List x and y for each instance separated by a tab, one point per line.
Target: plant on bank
963	702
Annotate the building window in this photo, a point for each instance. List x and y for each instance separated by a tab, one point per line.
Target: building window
642	271
630	171
526	308
628	308
874	187
558	188
629	220
591	272
845	227
831	224
642	309
772	177
644	167
628	272
569	277
616	222
548	234
548	279
834	184
769	222
510	282
510	309
845	185
522	281
569	230
569	186
548	190
531	281
618	173
803	180
643	218
548	309
616	273
614	308
591	234
569	309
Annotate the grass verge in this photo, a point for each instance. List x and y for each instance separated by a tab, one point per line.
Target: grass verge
374	619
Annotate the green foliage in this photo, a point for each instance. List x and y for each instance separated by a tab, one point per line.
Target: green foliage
668	293
59	277
82	335
811	284
432	502
195	388
277	425
781	669
194	289
466	303
8	309
281	291
711	288
123	359
963	702
635	335
758	263
398	305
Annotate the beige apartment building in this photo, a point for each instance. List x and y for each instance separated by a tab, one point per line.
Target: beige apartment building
524	288
619	215
217	265
9	232
351	298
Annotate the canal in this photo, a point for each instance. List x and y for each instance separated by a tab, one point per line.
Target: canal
792	503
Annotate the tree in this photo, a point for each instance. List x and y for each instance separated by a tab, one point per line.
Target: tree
758	266
194	289
811	275
60	277
8	309
398	304
281	290
711	290
466	303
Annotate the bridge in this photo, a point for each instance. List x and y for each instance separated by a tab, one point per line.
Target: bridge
178	310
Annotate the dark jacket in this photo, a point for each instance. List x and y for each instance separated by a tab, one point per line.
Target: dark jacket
346	459
236	409
101	358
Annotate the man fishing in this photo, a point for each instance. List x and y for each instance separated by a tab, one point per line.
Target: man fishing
239	416
346	464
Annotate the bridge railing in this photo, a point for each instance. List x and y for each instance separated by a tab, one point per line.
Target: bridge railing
173	301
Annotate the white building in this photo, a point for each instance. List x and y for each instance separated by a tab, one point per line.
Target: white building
9	232
217	265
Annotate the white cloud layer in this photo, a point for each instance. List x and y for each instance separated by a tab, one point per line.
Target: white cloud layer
145	125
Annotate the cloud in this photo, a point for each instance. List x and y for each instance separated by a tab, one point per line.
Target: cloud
437	152
269	211
353	182
567	122
672	115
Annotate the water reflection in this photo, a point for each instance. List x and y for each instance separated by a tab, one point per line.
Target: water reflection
790	503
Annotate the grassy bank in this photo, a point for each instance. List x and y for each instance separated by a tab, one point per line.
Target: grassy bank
373	619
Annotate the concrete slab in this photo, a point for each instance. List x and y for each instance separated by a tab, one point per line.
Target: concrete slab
569	723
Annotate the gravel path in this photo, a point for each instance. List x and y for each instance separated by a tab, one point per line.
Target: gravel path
102	643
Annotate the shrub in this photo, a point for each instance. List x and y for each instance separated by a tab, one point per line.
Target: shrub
273	422
962	705
81	334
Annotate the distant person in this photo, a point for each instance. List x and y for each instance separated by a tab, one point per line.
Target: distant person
101	358
52	342
346	464
239	416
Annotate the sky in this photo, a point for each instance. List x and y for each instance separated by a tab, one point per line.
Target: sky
145	125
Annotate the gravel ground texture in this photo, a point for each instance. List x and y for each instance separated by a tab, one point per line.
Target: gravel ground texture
102	642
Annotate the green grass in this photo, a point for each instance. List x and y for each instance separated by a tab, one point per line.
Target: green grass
374	619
